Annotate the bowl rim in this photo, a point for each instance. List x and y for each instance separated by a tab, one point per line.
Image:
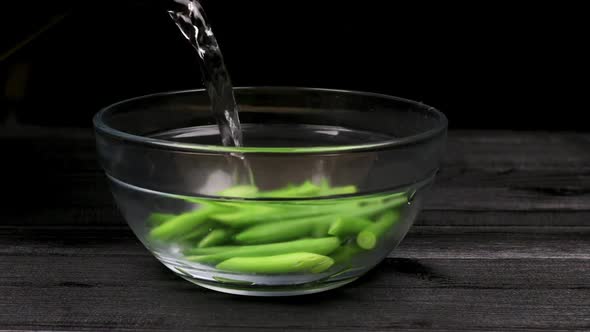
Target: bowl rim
101	127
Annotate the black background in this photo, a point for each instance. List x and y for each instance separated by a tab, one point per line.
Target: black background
486	65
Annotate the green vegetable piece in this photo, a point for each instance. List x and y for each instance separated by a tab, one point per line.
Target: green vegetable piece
344	254
338	191
196	233
324	184
367	239
156	219
374	208
245	191
272	213
348	226
282	230
298	228
215	237
233	281
181	225
322	246
209	250
304	190
285	263
244	212
320	230
248	214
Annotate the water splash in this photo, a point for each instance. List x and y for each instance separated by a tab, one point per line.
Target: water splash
190	18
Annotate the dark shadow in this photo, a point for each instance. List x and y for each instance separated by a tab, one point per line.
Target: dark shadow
409	267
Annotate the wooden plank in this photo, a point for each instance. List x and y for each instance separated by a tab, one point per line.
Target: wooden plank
113	292
495	242
569	194
483	171
421	242
73	149
502	243
510	150
107	215
544	218
83	194
542	190
485	198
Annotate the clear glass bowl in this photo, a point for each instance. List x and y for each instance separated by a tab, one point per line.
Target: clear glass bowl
328	184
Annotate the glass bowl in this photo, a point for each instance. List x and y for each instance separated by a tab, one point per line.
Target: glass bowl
327	186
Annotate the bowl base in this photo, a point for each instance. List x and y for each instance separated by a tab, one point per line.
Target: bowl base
268	291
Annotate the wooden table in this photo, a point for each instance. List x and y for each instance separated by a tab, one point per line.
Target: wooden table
503	243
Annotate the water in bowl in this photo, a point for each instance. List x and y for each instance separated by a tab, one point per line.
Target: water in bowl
310	236
278	135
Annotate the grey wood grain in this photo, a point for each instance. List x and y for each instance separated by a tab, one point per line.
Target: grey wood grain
464	242
121	292
503	243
